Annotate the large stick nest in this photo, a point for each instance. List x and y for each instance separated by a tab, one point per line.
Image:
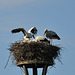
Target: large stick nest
39	51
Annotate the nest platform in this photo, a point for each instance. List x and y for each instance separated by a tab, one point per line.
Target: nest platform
33	63
34	53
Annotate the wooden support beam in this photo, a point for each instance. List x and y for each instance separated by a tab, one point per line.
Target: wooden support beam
44	70
34	70
25	70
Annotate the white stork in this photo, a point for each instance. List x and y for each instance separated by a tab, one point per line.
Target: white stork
42	39
51	35
27	35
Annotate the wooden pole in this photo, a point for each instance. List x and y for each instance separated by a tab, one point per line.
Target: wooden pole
34	70
44	70
25	70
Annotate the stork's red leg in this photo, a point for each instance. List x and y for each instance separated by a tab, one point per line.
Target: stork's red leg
51	41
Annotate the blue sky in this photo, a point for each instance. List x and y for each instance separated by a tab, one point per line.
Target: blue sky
56	15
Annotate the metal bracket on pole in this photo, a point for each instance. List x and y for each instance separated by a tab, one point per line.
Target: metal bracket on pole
34	70
44	70
25	70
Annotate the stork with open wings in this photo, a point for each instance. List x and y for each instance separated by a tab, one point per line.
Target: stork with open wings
27	35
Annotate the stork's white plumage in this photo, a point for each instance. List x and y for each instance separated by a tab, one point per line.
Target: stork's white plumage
28	34
26	39
41	39
51	35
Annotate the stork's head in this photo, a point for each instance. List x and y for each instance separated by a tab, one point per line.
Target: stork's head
45	31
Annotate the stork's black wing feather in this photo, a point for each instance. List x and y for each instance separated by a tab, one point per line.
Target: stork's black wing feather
34	30
15	30
18	30
56	36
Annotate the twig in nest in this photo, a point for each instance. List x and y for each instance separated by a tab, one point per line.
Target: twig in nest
7	61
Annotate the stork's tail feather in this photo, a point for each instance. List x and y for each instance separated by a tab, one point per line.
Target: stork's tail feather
58	37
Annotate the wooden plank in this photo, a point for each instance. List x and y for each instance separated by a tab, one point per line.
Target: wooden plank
25	70
44	70
34	70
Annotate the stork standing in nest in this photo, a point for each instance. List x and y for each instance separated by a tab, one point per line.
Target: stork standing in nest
27	35
51	35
